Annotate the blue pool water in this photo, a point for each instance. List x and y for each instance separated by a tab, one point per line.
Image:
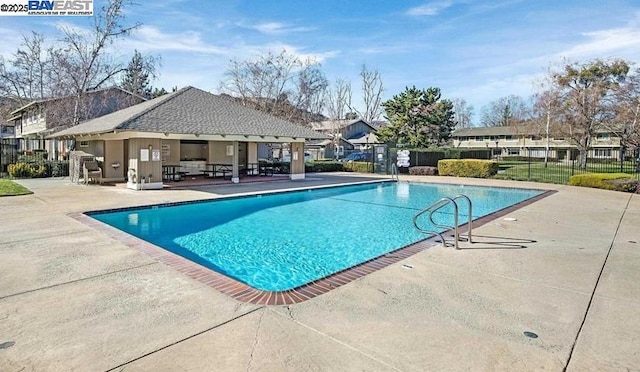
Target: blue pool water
281	241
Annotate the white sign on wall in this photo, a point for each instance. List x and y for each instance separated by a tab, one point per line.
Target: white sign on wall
403	158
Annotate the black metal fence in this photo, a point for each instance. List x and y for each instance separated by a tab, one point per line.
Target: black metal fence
529	166
29	164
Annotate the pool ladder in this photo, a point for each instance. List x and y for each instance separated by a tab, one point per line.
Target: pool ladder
394	172
441	204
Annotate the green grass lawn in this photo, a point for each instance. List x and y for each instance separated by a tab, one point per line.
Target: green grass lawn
554	172
10	188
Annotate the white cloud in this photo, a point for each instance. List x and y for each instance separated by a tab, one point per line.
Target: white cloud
250	51
429	9
605	42
272	28
149	38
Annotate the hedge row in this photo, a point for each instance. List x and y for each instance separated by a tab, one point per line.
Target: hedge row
467	168
47	168
357	166
423	171
323	166
607	181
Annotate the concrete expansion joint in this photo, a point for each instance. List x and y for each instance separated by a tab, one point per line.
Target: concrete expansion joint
78	280
595	287
120	367
255	340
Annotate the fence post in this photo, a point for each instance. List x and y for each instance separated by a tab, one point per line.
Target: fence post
529	164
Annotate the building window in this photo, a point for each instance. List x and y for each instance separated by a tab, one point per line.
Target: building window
84	144
513	151
602	137
602	153
536	153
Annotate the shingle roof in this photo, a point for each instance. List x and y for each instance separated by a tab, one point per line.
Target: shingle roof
335	124
484	131
45	100
192	111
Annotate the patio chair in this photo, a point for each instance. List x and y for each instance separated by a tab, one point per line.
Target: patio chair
92	171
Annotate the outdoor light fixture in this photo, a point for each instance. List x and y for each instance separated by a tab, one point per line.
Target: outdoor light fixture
150	147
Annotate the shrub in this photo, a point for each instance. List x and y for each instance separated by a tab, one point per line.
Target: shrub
58	168
26	170
357	166
324	166
467	168
19	170
607	181
423	171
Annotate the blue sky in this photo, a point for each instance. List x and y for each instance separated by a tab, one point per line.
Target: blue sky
476	50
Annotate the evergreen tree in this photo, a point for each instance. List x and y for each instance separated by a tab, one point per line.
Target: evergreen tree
418	118
136	76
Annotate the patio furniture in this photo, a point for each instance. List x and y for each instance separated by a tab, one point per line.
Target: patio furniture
216	170
266	170
92	171
171	172
76	160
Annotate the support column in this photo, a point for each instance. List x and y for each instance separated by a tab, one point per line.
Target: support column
297	161
235	173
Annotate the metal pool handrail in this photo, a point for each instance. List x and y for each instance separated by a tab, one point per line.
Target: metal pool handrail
438	205
394	172
470	217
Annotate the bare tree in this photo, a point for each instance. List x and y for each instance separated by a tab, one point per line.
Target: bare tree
545	109
83	61
372	89
587	99
281	84
463	113
24	76
505	111
627	110
310	89
339	99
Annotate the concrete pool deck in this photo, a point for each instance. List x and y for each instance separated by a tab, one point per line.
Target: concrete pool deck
73	298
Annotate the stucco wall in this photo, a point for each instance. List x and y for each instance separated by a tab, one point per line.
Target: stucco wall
145	168
252	152
218	152
114	155
297	165
170	151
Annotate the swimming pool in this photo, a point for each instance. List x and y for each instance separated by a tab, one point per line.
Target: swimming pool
281	241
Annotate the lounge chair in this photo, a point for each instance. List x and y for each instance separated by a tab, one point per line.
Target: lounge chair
92	171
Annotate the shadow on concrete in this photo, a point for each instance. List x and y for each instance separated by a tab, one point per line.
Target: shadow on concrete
495	242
